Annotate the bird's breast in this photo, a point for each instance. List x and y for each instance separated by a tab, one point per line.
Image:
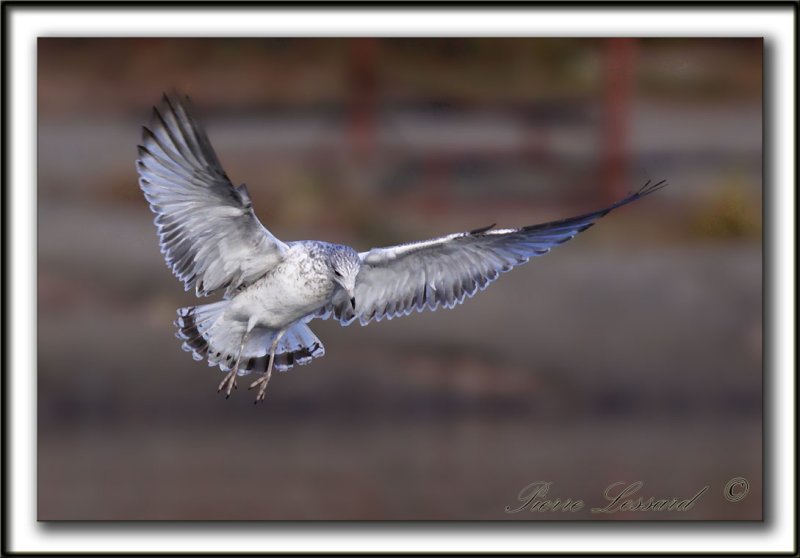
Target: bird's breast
289	292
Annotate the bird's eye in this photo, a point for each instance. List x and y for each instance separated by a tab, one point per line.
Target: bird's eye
336	272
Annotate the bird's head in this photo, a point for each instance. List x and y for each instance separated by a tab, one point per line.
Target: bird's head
345	265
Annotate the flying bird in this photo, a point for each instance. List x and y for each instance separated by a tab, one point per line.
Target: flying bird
213	241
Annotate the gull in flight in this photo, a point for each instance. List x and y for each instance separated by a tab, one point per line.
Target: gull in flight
213	241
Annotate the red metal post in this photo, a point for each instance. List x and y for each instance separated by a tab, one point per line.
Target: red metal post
363	95
619	84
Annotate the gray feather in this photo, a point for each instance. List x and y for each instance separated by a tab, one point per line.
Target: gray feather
444	271
208	233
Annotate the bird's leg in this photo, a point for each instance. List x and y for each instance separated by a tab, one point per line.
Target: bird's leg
230	378
264	379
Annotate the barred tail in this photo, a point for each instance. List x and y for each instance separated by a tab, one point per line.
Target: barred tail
298	345
209	335
194	325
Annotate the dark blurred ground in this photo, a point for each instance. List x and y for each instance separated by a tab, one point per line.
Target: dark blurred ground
631	353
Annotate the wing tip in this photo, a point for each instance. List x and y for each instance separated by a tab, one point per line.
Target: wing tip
170	102
648	188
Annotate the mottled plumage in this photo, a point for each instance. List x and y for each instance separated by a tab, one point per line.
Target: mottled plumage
212	241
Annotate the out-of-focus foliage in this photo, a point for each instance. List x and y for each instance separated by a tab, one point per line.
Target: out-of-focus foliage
732	212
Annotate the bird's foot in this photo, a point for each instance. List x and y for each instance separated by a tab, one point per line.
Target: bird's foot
262	382
228	383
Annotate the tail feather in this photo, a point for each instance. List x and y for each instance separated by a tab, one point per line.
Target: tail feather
209	335
298	345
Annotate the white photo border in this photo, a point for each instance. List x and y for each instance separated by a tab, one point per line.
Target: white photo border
25	22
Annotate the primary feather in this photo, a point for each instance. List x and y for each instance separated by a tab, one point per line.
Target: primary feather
208	233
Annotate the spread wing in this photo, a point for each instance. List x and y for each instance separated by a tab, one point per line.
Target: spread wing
208	232
444	271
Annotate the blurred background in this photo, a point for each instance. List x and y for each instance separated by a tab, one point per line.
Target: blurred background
632	353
